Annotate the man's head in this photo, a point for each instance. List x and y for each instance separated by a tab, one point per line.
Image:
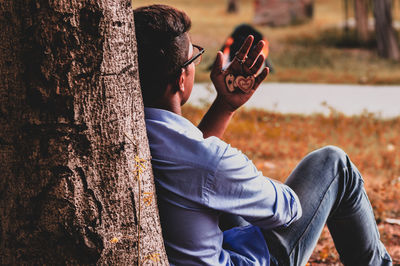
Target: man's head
163	47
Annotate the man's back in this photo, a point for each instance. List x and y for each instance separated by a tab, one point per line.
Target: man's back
176	154
198	179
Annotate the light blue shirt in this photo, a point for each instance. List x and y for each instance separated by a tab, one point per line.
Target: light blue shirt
197	179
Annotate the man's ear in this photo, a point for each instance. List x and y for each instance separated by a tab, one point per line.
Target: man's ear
178	85
181	81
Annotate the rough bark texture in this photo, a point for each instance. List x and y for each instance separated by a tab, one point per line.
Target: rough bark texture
386	36
361	15
69	95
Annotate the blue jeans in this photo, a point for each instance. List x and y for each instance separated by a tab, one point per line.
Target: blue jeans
331	191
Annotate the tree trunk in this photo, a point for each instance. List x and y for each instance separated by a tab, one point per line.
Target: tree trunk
361	14
71	191
386	36
233	6
346	15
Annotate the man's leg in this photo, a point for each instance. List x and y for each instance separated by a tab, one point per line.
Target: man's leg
331	191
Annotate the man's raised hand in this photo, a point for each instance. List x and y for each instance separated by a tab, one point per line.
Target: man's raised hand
237	83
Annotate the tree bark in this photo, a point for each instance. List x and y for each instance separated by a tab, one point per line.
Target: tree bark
71	127
361	15
385	34
346	15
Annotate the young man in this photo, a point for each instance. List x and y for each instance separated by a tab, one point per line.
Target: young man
202	180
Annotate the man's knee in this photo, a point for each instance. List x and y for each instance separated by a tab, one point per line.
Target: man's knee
328	162
328	156
331	153
340	164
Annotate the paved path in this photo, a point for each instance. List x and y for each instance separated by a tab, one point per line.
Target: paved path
384	101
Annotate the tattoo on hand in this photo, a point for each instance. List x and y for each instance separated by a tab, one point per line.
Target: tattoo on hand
245	84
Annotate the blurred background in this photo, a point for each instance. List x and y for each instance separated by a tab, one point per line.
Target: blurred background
310	41
335	81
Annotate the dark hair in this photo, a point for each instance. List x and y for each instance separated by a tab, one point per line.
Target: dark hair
163	43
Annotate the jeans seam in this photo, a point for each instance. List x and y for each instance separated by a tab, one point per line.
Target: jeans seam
313	216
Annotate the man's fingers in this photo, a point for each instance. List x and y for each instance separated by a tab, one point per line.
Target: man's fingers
257	65
253	55
217	67
264	73
241	54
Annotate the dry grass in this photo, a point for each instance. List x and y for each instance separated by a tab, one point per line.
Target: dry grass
276	143
298	53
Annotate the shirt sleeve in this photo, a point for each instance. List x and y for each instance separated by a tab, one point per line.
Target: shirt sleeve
237	187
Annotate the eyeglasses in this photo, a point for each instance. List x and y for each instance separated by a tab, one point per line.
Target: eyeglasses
198	52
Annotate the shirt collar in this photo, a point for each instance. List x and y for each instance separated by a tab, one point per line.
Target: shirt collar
173	121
